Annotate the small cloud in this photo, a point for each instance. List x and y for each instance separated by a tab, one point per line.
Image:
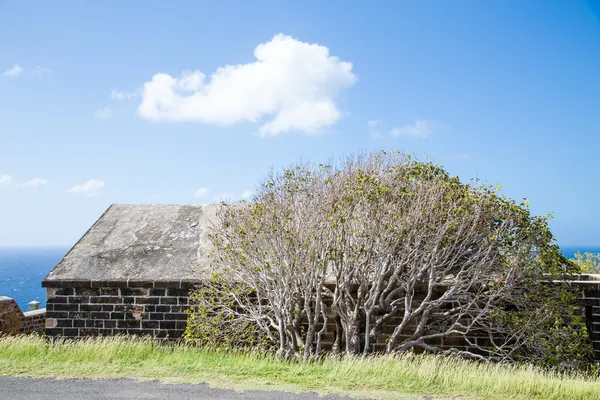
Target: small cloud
121	95
5	180
420	129
40	71
201	192
34	183
89	188
223	197
247	195
14	71
374	127
103	113
460	156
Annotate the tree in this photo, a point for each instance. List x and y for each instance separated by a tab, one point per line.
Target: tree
385	240
588	262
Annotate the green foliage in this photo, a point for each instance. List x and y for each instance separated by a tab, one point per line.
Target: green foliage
588	262
212	325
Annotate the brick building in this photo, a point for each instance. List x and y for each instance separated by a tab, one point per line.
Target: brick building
130	273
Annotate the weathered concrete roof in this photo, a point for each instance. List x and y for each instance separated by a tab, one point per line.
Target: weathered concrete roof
141	242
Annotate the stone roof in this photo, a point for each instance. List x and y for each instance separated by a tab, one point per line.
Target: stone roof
141	242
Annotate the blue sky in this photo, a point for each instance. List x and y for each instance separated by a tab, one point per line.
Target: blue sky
182	102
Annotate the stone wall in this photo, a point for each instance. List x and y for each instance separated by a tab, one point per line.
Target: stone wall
106	308
10	316
14	321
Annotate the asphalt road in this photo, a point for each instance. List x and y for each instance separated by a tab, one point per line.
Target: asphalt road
88	389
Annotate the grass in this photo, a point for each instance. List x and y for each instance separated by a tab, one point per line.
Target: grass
381	377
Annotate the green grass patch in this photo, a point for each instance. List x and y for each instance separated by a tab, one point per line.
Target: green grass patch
382	377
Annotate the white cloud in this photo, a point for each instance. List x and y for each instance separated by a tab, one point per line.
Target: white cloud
14	71
247	194
121	95
89	188
103	113
40	71
34	182
293	84
420	129
223	197
5	180
201	192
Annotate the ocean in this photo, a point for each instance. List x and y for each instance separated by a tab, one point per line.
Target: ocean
22	270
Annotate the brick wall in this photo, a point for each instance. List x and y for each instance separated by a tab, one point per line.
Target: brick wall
33	321
14	321
106	308
157	308
590	299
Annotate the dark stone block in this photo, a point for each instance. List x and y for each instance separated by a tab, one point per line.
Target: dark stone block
71	332
117	315
107	307
64	323
147	300
49	307
57	314
177	292
100	315
128	324
166	284
65	292
159	334
163	308
78	323
139	283
128	300
105	300
168	324
87	292
157	316
175	333
54	331
110	323
188	283
78	299
157	292
90	307
184	300
150	324
88	332
107	291
89	323
168	300
149	308
134	292
66	307
105	332
181	325
176	316
57	300
120	307
99	323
